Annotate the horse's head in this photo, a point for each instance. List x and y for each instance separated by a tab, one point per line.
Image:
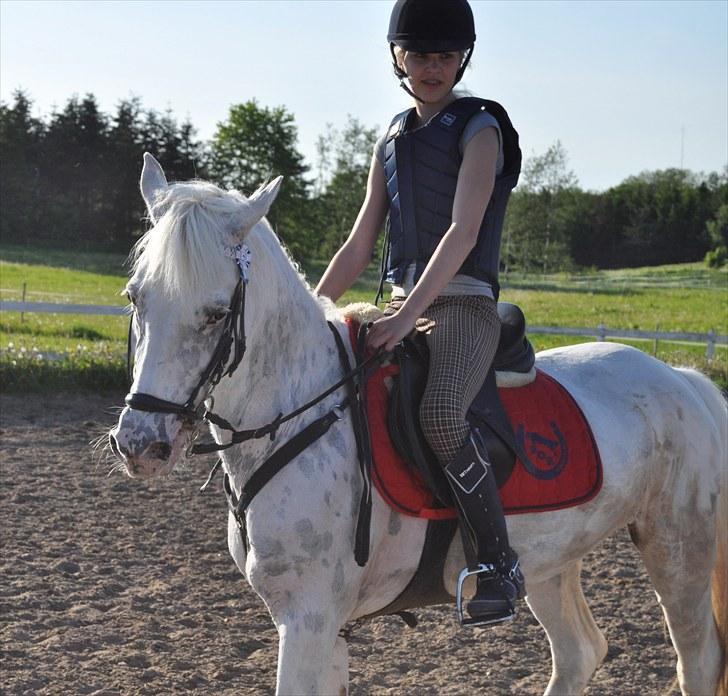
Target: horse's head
186	290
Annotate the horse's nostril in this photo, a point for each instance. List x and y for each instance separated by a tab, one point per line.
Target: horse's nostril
158	450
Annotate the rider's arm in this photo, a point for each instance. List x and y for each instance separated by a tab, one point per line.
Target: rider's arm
356	252
474	188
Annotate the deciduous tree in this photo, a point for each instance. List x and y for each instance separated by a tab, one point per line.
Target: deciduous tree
344	159
256	144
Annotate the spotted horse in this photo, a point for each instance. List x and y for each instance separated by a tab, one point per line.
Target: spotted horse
221	311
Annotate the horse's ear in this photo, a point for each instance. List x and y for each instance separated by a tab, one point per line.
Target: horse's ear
152	183
257	207
263	198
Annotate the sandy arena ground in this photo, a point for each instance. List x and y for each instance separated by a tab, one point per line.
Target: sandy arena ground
113	586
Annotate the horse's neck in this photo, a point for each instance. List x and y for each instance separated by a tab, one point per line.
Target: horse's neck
290	356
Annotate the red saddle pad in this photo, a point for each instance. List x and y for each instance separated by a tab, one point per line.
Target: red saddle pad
562	466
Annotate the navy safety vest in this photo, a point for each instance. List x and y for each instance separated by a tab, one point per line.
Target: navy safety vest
421	168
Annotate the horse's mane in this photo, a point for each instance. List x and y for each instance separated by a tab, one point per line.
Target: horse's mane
184	252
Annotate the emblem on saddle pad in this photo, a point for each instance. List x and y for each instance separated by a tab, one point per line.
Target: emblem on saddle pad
551	456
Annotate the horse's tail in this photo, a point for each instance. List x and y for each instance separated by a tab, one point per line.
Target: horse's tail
720	572
720	581
718	407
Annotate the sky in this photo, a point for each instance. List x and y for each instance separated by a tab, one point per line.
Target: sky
626	86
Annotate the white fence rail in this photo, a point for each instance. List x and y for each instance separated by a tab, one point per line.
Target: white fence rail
601	332
11	306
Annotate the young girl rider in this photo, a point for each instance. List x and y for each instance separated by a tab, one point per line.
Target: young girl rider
443	175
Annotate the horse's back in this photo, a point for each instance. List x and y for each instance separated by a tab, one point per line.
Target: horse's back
591	362
605	375
611	377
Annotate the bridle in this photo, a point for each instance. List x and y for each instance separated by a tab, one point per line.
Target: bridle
232	340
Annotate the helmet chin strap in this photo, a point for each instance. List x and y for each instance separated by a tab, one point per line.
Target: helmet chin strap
406	88
461	70
402	75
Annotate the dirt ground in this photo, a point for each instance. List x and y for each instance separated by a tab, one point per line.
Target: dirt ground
114	586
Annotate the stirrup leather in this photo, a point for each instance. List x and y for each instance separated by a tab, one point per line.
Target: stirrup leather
469	621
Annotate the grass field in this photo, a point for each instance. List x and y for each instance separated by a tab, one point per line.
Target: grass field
52	351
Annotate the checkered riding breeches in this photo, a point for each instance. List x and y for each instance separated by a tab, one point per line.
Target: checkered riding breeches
462	335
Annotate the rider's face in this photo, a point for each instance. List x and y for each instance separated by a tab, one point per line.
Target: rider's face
432	75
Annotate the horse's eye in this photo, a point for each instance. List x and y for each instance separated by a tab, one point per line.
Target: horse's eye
216	317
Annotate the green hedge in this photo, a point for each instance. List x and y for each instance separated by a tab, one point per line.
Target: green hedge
81	370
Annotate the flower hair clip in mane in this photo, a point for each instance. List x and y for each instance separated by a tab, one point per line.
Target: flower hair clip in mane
241	254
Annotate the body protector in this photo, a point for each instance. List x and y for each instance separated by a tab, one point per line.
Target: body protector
421	168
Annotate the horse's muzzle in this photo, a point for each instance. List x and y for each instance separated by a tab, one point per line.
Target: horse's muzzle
147	444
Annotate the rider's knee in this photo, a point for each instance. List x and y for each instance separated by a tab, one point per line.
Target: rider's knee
442	427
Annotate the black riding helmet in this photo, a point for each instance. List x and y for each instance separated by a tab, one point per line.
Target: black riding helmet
431	26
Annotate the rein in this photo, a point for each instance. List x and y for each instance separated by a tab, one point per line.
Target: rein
271	428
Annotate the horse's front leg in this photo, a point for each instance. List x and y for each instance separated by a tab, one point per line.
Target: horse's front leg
309	583
312	658
338	677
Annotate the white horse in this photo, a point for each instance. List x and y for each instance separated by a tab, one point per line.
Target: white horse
661	433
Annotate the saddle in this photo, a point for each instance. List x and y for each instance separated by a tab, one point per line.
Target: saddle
513	365
528	457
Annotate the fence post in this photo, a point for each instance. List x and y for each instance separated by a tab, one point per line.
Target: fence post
601	332
710	348
22	314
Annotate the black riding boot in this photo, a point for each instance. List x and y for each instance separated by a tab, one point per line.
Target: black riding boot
501	584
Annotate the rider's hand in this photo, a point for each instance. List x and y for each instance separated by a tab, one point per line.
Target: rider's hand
387	332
